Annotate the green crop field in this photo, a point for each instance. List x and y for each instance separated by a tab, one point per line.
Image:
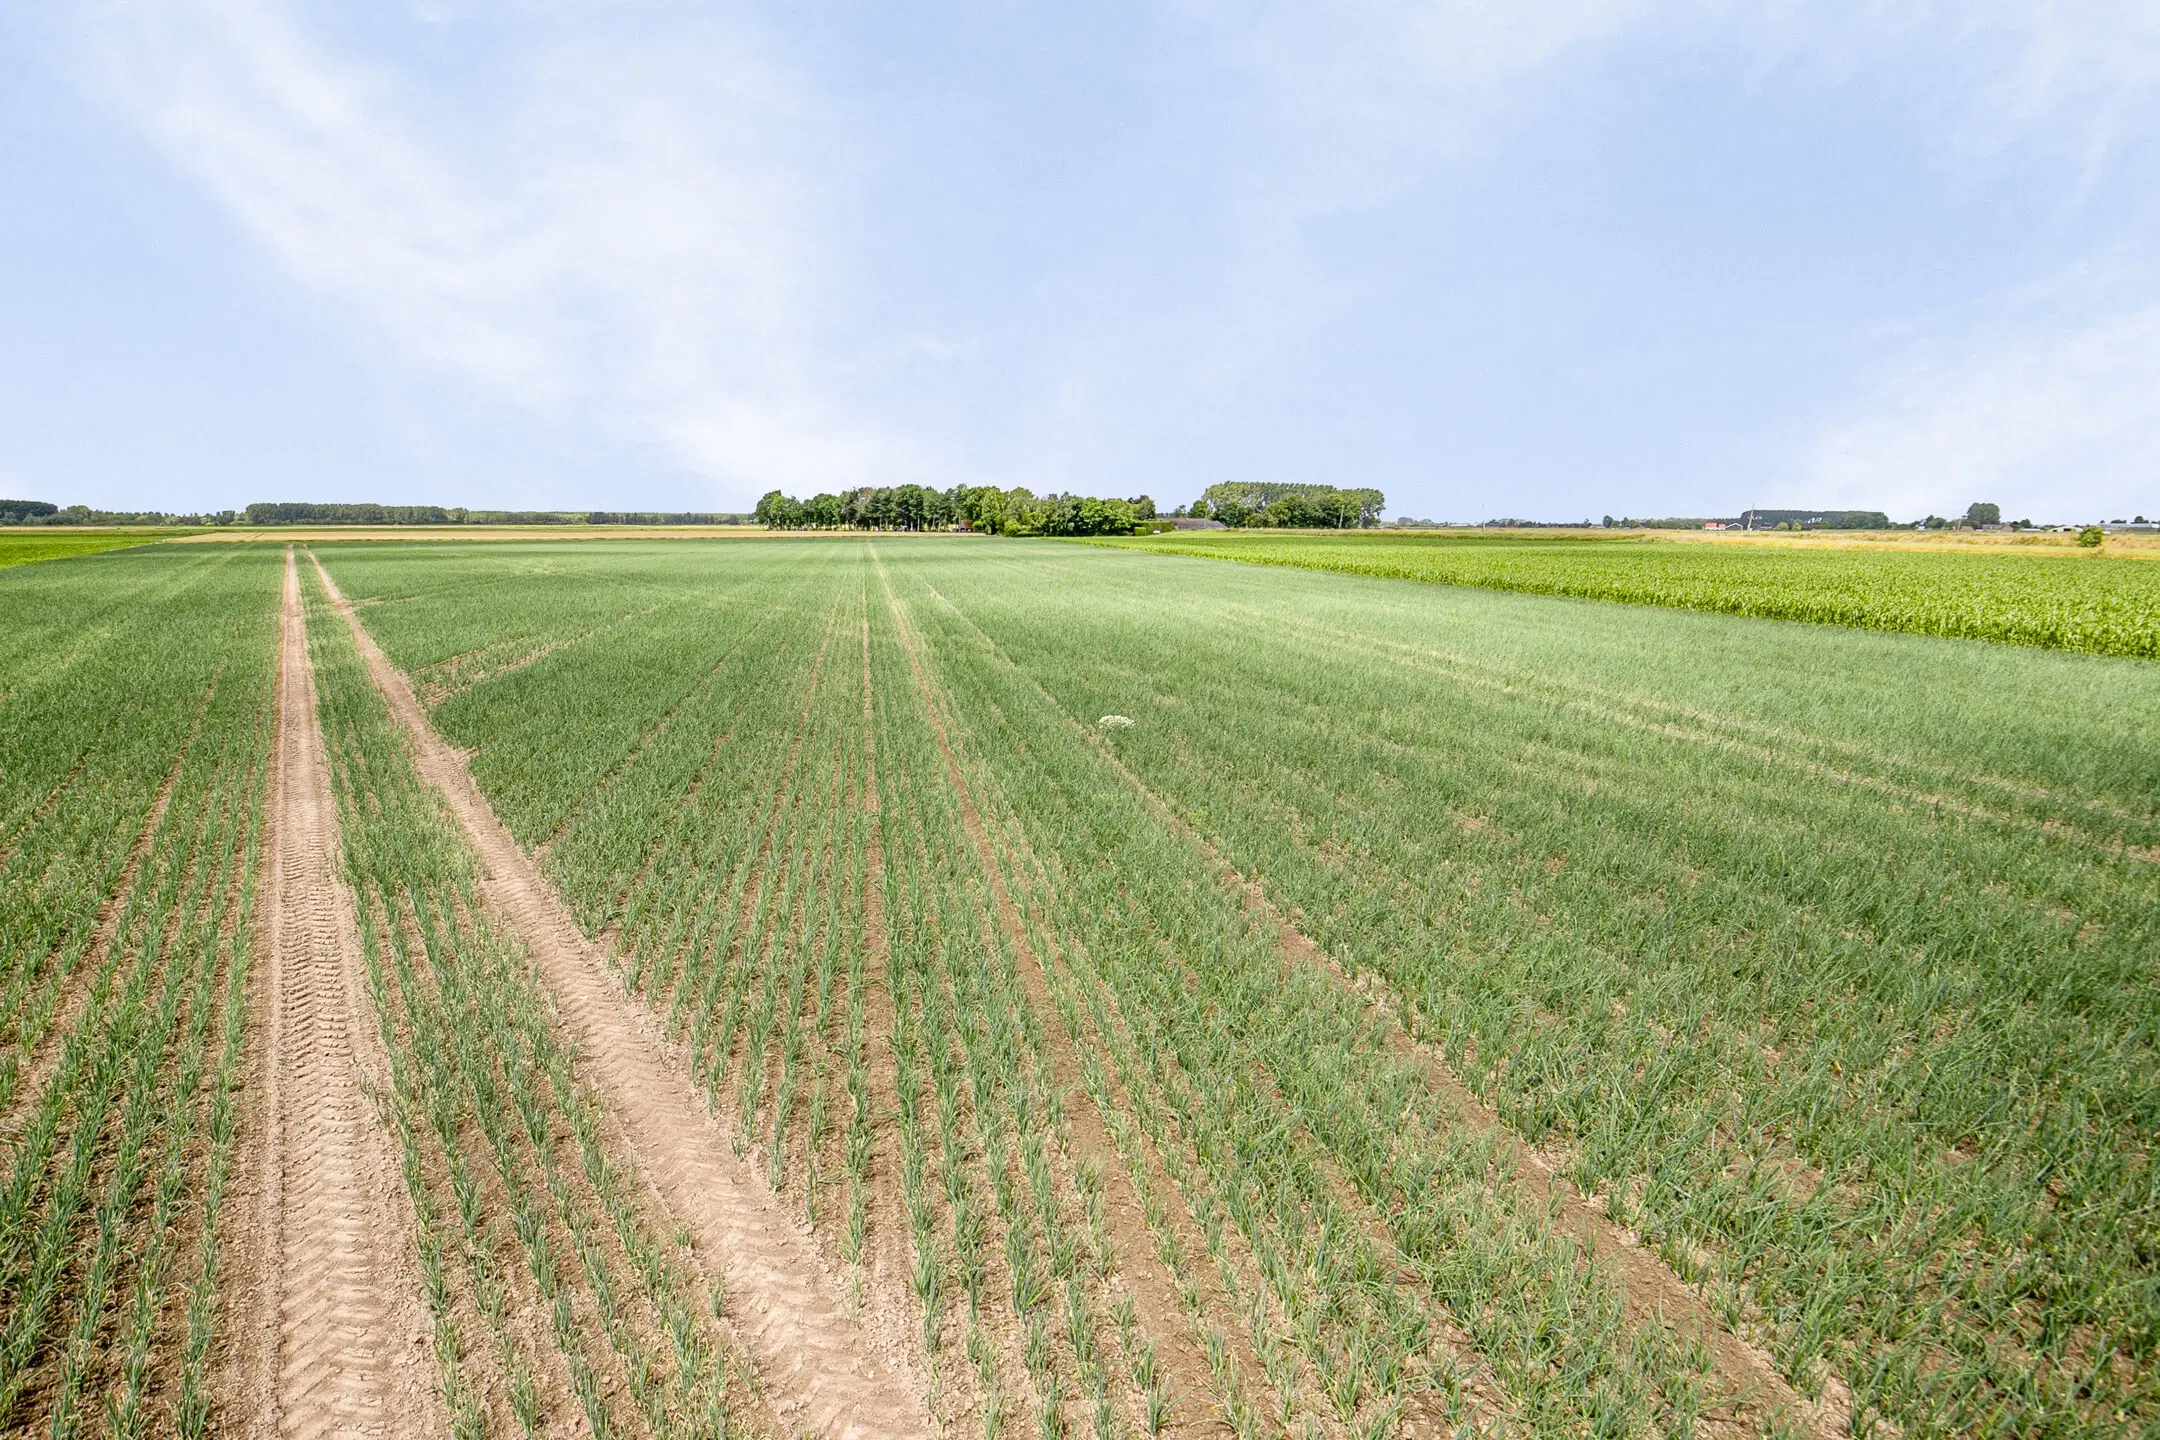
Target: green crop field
133	759
1063	991
2065	600
20	545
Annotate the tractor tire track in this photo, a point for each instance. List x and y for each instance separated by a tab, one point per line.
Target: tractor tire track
346	1298
829	1374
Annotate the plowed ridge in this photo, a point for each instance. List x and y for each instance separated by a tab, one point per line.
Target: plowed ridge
829	1375
347	1295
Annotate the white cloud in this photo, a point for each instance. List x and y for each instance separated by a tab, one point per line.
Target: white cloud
2030	407
2044	397
2056	428
649	233
2086	69
625	230
1376	88
1367	96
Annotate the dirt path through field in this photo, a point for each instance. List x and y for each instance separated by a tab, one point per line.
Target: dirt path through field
827	1373
336	1272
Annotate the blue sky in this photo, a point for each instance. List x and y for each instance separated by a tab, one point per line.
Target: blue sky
1558	260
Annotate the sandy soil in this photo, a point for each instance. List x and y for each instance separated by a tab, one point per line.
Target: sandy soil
330	1331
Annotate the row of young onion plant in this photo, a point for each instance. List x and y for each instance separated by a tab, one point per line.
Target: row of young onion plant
102	706
1050	1062
744	927
655	807
654	651
1224	1069
1847	1054
1737	939
78	640
495	623
1004	1210
556	1296
638	656
1233	1296
648	854
119	1157
747	927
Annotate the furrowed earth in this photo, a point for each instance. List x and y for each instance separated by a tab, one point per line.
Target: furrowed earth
905	986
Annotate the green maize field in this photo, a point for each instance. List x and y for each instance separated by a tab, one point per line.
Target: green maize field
1153	998
2103	604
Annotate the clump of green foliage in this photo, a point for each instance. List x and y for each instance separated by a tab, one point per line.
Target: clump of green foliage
1273	505
984	509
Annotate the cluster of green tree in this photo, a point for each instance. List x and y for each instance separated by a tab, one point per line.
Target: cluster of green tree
1283	506
982	508
366	514
1978	515
44	512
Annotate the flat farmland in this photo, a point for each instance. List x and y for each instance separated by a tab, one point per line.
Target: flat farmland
2031	589
24	545
907	986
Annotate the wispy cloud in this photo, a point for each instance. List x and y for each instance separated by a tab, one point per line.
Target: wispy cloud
630	231
2059	426
2045	396
1368	96
1375	99
664	224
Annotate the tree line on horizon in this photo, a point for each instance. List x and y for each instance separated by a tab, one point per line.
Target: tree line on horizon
985	509
312	513
44	512
981	508
1280	505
